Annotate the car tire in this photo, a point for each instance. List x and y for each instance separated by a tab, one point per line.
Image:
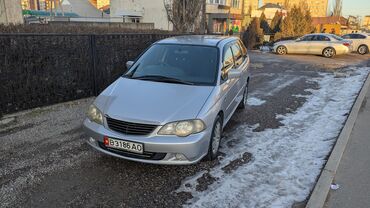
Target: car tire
243	104
214	142
363	49
281	50
328	52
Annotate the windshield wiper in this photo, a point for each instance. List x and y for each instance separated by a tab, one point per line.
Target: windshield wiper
158	78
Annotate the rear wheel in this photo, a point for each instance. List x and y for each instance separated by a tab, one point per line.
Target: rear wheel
214	144
363	49
281	50
328	52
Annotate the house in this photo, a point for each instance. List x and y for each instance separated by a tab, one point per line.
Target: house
137	11
318	8
335	25
224	15
366	22
11	12
269	10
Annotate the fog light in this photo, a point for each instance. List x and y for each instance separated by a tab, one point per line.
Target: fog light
91	140
180	157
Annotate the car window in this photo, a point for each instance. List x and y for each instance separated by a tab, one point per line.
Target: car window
237	52
320	38
359	36
244	49
307	38
195	64
228	59
346	36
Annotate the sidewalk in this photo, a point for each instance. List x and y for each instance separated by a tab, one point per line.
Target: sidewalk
354	169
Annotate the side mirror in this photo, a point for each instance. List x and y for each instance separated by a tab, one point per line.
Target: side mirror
129	64
224	75
234	73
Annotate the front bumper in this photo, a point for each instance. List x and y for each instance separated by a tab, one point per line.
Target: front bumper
164	150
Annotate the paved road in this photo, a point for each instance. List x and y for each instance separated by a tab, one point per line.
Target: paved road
46	163
354	169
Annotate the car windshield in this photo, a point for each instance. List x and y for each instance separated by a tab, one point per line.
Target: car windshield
336	37
184	64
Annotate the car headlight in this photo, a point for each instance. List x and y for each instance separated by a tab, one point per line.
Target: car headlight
182	128
95	115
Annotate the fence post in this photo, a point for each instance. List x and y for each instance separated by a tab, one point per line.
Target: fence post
93	62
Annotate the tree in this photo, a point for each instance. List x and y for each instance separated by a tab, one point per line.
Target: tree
297	23
264	24
253	35
286	4
276	22
337	8
183	13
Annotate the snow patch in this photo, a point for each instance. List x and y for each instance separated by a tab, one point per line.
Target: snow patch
253	101
265	48
287	160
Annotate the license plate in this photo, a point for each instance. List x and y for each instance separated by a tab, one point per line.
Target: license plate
125	145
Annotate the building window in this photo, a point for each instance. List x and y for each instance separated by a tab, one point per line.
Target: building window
222	2
235	3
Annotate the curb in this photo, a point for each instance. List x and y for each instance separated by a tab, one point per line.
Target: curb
322	187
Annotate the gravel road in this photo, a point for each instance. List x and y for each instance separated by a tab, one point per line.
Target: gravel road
45	161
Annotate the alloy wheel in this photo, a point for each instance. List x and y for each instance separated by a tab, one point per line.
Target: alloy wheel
362	50
329	52
281	50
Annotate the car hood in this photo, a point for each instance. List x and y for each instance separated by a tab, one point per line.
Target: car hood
152	102
284	42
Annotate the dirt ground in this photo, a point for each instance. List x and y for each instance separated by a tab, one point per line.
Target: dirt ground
45	161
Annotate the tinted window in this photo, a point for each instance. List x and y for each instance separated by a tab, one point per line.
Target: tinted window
321	38
238	56
346	36
228	60
307	38
358	36
195	64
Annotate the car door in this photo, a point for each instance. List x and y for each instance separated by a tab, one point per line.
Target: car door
318	43
239	66
228	86
302	46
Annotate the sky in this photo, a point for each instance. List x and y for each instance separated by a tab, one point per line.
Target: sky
354	7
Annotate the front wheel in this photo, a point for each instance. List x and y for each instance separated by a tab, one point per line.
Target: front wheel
362	50
214	144
328	52
281	50
243	104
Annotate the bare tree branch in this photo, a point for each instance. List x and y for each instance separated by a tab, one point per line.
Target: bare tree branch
183	13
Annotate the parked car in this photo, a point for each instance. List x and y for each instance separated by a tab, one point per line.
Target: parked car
173	103
361	42
327	45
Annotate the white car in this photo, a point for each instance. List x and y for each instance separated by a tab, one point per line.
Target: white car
361	42
327	45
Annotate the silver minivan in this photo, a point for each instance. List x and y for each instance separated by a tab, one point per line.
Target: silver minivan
172	104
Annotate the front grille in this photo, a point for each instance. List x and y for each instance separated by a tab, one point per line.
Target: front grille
130	128
145	155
